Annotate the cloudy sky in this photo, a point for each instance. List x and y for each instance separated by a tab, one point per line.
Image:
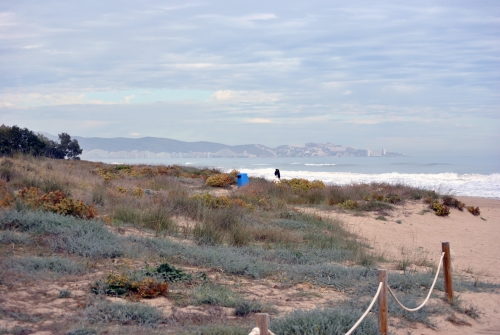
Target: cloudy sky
417	77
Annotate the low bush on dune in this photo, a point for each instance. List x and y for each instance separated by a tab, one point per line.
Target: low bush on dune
216	295
323	321
453	202
443	208
102	312
144	283
440	209
56	202
474	210
135	285
300	184
221	180
86	238
56	265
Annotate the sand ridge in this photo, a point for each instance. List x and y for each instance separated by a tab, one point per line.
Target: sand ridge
411	232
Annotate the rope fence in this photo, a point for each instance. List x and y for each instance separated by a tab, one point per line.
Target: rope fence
262	319
428	295
367	310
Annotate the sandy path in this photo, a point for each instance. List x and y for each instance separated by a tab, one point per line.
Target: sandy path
475	244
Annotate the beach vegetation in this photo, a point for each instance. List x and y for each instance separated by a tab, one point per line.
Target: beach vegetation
15	140
99	311
161	232
440	209
221	180
474	210
453	202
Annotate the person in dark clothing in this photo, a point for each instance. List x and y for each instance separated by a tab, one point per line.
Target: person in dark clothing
277	174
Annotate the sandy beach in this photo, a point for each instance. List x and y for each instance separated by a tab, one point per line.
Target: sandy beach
417	238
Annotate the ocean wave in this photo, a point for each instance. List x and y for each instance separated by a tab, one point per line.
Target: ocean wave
320	164
475	185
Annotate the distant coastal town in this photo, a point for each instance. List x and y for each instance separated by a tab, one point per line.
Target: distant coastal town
302	150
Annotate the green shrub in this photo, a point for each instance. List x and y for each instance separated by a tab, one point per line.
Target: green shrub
210	294
326	321
57	265
220	180
440	209
66	234
212	201
123	313
303	185
11	237
348	205
170	273
56	202
217	295
64	294
245	307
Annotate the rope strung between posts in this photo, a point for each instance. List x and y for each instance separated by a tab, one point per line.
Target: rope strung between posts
367	310
428	296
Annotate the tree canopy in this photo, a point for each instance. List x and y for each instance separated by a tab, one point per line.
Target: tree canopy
22	140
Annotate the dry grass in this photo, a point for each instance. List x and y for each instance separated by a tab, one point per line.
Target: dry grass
250	233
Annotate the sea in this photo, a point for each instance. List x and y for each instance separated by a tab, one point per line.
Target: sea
459	176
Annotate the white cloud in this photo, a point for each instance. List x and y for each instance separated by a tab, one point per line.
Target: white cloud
291	63
33	46
195	66
35	99
127	98
257	17
245	96
6	104
258	120
362	121
404	88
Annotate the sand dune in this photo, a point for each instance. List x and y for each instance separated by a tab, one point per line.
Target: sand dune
410	233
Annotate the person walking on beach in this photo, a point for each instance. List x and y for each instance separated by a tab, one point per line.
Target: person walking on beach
277	174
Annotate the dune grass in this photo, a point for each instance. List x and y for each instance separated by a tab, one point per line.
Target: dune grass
256	232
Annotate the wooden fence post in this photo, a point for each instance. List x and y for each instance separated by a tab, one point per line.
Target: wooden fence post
448	280
382	302
262	321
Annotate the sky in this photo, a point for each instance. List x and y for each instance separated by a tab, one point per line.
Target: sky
414	77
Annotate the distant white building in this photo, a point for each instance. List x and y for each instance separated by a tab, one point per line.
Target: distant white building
225	153
376	153
96	153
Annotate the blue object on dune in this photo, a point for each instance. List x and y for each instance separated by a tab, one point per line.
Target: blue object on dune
242	179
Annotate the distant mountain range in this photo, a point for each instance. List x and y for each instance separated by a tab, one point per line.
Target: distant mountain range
155	147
